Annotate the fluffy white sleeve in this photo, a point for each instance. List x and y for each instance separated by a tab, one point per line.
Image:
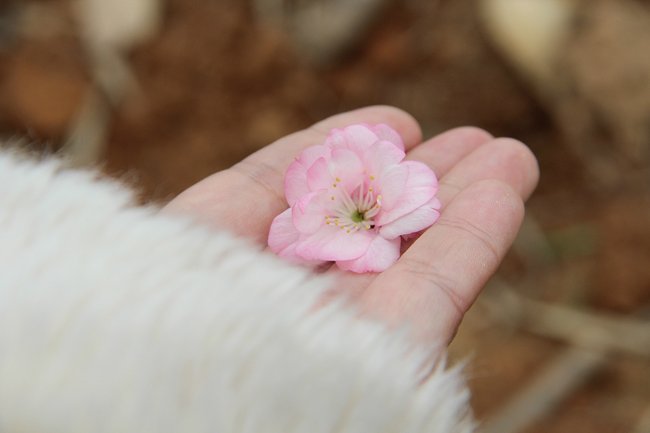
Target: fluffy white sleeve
115	318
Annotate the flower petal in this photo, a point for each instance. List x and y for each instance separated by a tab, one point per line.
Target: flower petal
283	235
318	176
421	186
336	139
308	156
418	220
380	156
379	256
356	137
295	179
332	243
283	239
385	132
308	213
346	169
360	137
392	184
295	182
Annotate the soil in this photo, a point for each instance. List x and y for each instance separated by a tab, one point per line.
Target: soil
218	83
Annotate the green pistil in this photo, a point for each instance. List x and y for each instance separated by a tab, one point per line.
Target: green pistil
357	216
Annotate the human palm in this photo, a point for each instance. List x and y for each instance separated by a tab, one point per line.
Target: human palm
483	183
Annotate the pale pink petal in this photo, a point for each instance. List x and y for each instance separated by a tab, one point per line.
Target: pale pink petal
385	132
283	235
295	182
318	176
421	186
295	179
380	156
434	203
312	153
391	185
418	220
336	139
379	256
332	243
359	138
308	213
283	239
346	169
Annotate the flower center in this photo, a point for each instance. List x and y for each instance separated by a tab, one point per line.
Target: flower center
354	212
357	216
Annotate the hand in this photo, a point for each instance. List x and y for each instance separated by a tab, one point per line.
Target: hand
483	183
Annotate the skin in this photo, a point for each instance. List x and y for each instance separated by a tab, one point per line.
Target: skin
484	182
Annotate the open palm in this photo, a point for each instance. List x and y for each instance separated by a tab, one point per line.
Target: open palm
483	183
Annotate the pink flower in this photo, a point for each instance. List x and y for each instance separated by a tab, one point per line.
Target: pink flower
352	199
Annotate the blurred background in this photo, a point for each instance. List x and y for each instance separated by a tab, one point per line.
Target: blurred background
162	93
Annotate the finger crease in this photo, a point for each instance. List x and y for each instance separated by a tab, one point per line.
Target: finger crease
259	173
475	232
432	275
451	185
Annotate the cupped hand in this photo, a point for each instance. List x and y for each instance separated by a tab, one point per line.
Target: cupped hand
483	184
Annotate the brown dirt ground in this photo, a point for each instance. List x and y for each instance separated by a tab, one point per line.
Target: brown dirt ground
216	85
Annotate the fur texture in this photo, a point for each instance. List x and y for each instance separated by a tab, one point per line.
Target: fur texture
114	318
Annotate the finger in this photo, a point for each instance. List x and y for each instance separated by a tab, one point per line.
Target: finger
437	279
246	198
504	159
445	150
